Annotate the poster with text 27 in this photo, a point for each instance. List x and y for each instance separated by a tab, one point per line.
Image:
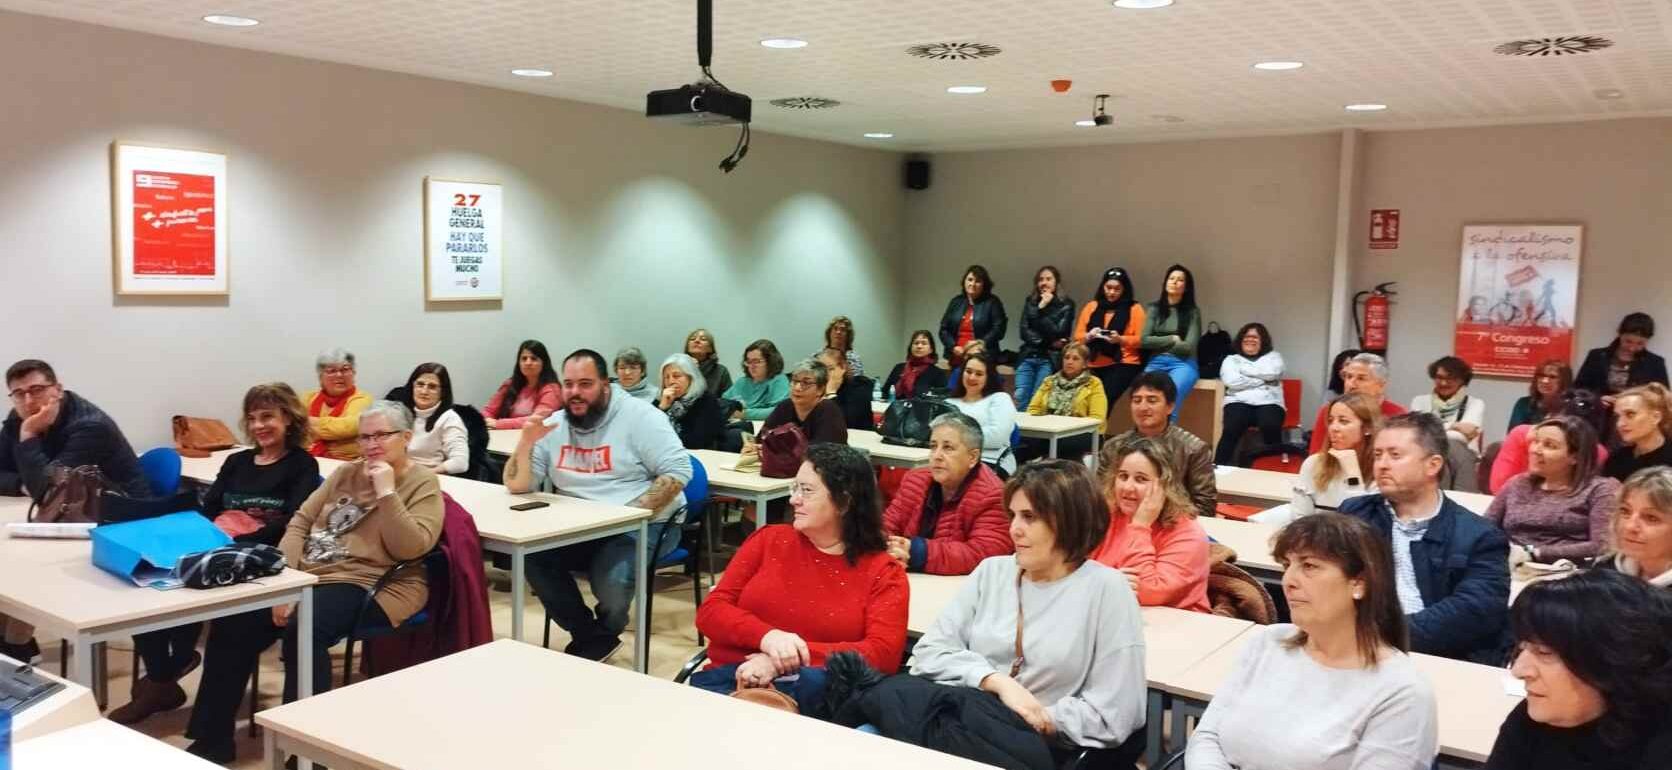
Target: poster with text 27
174	224
1518	296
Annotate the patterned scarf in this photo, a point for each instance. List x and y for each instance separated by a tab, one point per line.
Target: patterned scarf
1060	401
1449	410
915	366
676	414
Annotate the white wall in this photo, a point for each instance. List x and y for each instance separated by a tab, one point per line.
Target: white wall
1252	218
619	231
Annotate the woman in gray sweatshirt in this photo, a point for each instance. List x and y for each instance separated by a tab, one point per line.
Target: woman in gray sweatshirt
1076	671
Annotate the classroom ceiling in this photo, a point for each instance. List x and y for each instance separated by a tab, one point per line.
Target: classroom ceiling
1183	71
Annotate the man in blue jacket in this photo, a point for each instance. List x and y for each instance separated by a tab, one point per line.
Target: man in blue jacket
1451	566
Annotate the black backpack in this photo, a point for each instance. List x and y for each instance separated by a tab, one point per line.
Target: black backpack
906	423
1211	351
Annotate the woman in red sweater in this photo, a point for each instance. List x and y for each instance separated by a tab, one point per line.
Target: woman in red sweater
795	594
1153	535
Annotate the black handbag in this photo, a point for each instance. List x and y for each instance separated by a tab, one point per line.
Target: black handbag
906	423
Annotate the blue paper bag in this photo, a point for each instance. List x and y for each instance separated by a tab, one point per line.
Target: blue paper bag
146	551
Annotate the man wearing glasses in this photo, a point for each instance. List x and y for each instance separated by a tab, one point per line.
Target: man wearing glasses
50	427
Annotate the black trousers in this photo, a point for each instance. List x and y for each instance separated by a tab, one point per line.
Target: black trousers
1116	378
1238	419
165	652
237	641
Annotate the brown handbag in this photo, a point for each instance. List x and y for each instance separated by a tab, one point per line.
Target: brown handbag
72	496
198	436
769	697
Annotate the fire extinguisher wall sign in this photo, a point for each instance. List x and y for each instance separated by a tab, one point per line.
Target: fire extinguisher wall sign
1384	228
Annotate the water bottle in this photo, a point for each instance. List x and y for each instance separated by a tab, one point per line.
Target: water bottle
876	390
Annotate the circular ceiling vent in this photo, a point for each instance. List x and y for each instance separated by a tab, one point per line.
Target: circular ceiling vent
1554	46
954	51
805	103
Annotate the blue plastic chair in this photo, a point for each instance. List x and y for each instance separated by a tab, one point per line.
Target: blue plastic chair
161	467
696	503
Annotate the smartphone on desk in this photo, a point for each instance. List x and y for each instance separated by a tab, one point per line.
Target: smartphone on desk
530	505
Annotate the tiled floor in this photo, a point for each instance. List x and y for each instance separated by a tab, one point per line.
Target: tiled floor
672	642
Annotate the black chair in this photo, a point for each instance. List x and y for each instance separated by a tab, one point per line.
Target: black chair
1122	757
436	574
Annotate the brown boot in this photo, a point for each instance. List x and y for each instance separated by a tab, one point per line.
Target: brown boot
149	697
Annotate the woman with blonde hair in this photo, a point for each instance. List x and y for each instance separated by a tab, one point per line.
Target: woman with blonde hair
1153	535
1643	421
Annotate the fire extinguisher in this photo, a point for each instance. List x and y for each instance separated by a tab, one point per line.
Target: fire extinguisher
1372	325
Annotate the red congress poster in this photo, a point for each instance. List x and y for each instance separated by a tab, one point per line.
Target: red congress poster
1517	296
174	224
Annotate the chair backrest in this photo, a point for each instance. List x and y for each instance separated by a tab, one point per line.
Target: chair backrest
161	467
696	492
1291	404
1285	458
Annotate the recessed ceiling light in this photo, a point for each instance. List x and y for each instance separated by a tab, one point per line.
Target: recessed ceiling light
878	135
1367	107
531	73
230	21
784	42
1279	66
1087	123
1608	93
1142	5
967	90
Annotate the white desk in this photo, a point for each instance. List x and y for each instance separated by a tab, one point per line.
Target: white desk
53	585
503	442
102	744
516	705
892	455
71	706
1250	539
1267	488
725	479
1053	427
519	534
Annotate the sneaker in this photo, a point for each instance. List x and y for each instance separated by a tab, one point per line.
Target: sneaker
26	652
149	697
218	752
599	649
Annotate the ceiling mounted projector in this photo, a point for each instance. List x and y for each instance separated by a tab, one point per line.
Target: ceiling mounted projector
707	102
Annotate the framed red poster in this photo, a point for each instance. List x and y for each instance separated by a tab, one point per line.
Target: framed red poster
1518	296
170	225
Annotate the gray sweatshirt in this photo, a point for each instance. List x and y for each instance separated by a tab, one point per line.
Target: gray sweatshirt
1082	640
1355	719
615	460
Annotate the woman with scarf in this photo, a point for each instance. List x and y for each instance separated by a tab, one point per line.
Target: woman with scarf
1461	413
1253	378
699	345
1110	326
918	373
1074	391
334	408
694	411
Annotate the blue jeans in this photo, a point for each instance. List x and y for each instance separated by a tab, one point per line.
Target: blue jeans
1029	373
1183	373
807	688
608	564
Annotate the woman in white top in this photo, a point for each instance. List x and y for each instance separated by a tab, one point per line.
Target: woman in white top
1079	680
1461	412
977	394
440	441
1253	379
1340	470
1335	690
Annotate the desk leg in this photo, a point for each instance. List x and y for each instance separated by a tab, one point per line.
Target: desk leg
641	594
101	674
519	596
304	645
1156	713
271	750
1053	452
81	662
1096	445
760	514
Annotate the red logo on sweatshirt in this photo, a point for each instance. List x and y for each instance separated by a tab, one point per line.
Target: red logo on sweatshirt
582	460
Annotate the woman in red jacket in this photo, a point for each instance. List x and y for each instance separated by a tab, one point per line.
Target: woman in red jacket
795	594
1153	535
949	516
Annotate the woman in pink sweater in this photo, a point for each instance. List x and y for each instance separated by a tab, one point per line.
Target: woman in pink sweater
1153	535
531	393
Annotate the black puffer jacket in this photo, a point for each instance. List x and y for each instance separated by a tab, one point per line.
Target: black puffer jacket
1045	331
82	435
961	721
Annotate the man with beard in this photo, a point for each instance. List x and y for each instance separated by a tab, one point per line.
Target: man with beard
610	447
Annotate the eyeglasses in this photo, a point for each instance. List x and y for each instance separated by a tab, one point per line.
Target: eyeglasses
337	371
804	491
804	383
33	391
375	438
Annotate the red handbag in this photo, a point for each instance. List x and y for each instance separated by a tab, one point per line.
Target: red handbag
782	450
